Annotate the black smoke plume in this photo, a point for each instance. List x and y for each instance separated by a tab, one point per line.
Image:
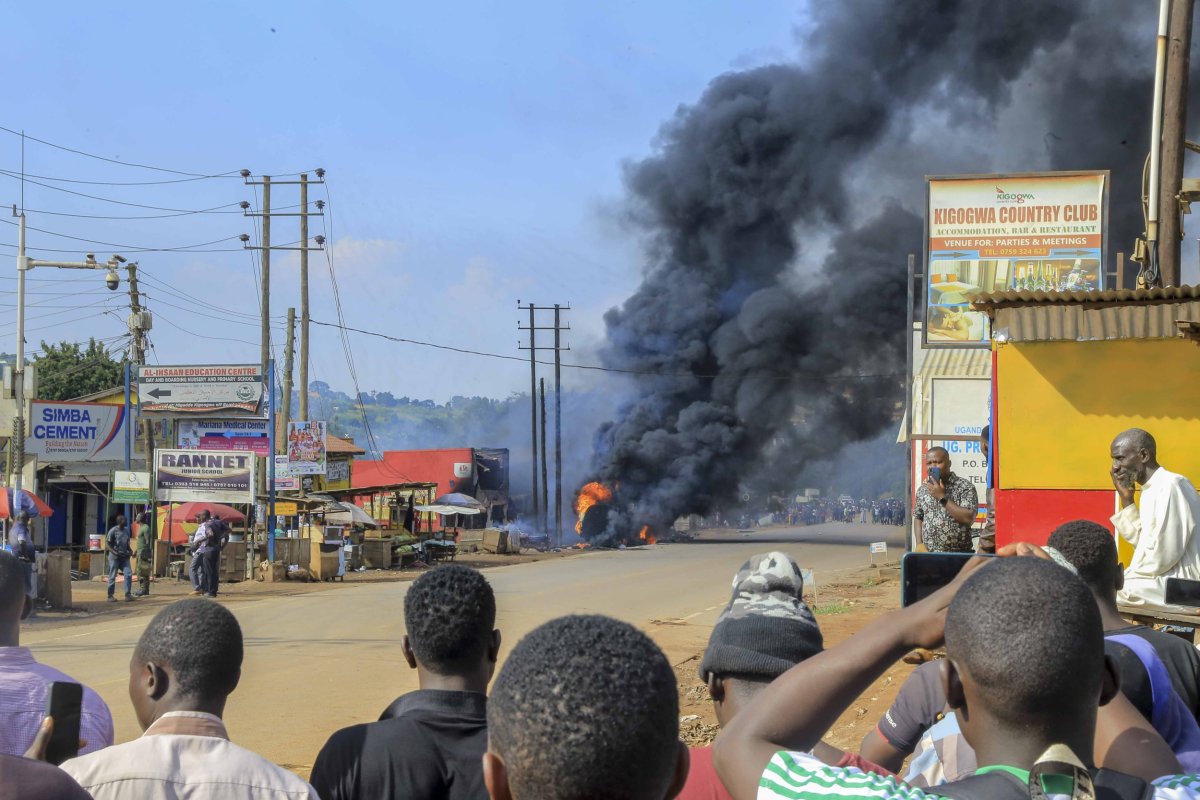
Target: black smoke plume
778	210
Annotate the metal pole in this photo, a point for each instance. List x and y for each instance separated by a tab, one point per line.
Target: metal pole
908	398
533	450
138	345
18	442
289	355
1174	114
557	542
303	299
1151	274
545	479
270	526
265	355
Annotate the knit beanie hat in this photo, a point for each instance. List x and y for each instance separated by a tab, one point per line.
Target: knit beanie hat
766	629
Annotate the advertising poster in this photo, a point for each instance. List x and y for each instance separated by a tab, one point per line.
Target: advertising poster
989	233
306	448
242	435
130	487
961	406
204	476
60	431
337	475
285	481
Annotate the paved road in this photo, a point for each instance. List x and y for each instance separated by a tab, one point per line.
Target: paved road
322	660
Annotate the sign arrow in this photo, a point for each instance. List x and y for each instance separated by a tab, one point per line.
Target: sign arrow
1074	252
952	255
159	393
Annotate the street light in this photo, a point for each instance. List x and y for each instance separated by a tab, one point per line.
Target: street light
111	279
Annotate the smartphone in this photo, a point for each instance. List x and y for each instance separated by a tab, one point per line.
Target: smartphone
935	474
1183	592
63	703
922	574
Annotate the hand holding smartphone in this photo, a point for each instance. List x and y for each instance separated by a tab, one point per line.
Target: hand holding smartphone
922	574
64	702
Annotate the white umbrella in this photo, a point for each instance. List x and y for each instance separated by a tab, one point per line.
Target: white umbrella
445	510
348	513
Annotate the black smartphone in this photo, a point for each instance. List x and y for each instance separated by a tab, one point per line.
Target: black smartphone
1183	592
935	474
63	703
922	574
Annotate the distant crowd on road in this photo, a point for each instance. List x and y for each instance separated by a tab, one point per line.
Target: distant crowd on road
1044	692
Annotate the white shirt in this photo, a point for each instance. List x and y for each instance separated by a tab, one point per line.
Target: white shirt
1164	529
185	755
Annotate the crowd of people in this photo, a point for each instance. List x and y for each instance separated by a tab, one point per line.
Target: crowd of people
1044	691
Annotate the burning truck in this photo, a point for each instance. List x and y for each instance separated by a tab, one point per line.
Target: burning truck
592	505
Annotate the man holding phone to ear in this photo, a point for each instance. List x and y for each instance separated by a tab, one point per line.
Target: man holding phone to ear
945	507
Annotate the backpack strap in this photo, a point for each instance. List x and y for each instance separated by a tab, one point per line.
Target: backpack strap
1112	785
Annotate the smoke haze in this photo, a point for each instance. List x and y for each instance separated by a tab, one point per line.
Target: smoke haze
778	209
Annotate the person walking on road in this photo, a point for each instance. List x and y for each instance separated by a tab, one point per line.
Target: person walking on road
119	551
946	506
145	554
1164	529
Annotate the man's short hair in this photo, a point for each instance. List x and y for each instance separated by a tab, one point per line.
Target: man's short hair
12	581
202	643
941	450
586	706
450	613
1029	632
1139	440
1092	549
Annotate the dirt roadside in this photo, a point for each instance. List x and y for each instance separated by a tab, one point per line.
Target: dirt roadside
842	608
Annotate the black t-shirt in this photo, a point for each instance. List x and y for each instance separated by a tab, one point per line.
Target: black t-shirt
1179	657
429	744
26	779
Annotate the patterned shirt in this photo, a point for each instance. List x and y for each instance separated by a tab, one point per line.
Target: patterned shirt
23	686
798	776
940	532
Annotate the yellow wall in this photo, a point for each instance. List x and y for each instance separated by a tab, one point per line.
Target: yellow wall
1060	404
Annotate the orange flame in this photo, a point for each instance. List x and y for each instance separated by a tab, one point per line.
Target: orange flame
589	495
646	536
582	545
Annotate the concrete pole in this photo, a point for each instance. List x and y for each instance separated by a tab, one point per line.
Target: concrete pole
545	477
557	540
303	301
1174	125
17	448
533	415
289	356
265	355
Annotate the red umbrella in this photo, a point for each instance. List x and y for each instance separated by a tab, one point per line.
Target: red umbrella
8	508
183	518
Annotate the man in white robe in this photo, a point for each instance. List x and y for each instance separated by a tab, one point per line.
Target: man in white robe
1164	527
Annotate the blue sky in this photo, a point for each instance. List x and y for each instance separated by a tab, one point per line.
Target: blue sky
473	153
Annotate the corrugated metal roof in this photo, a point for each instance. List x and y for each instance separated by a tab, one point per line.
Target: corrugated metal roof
1160	295
956	362
1082	322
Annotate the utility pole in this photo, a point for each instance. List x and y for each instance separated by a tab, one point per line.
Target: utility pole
545	478
1174	128
289	356
544	521
140	322
265	354
557	542
303	302
267	182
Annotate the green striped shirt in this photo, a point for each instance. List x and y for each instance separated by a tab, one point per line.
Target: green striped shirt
799	776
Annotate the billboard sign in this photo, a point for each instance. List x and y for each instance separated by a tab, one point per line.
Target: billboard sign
202	390
130	487
961	406
76	431
204	476
306	447
1038	232
243	435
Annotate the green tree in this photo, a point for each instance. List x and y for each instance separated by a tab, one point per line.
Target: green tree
68	370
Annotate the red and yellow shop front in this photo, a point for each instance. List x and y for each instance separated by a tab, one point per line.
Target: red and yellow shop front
1071	370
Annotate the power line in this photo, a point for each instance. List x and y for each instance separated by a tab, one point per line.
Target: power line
203	336
188	298
24	135
595	367
125	247
17	173
104	199
208	314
